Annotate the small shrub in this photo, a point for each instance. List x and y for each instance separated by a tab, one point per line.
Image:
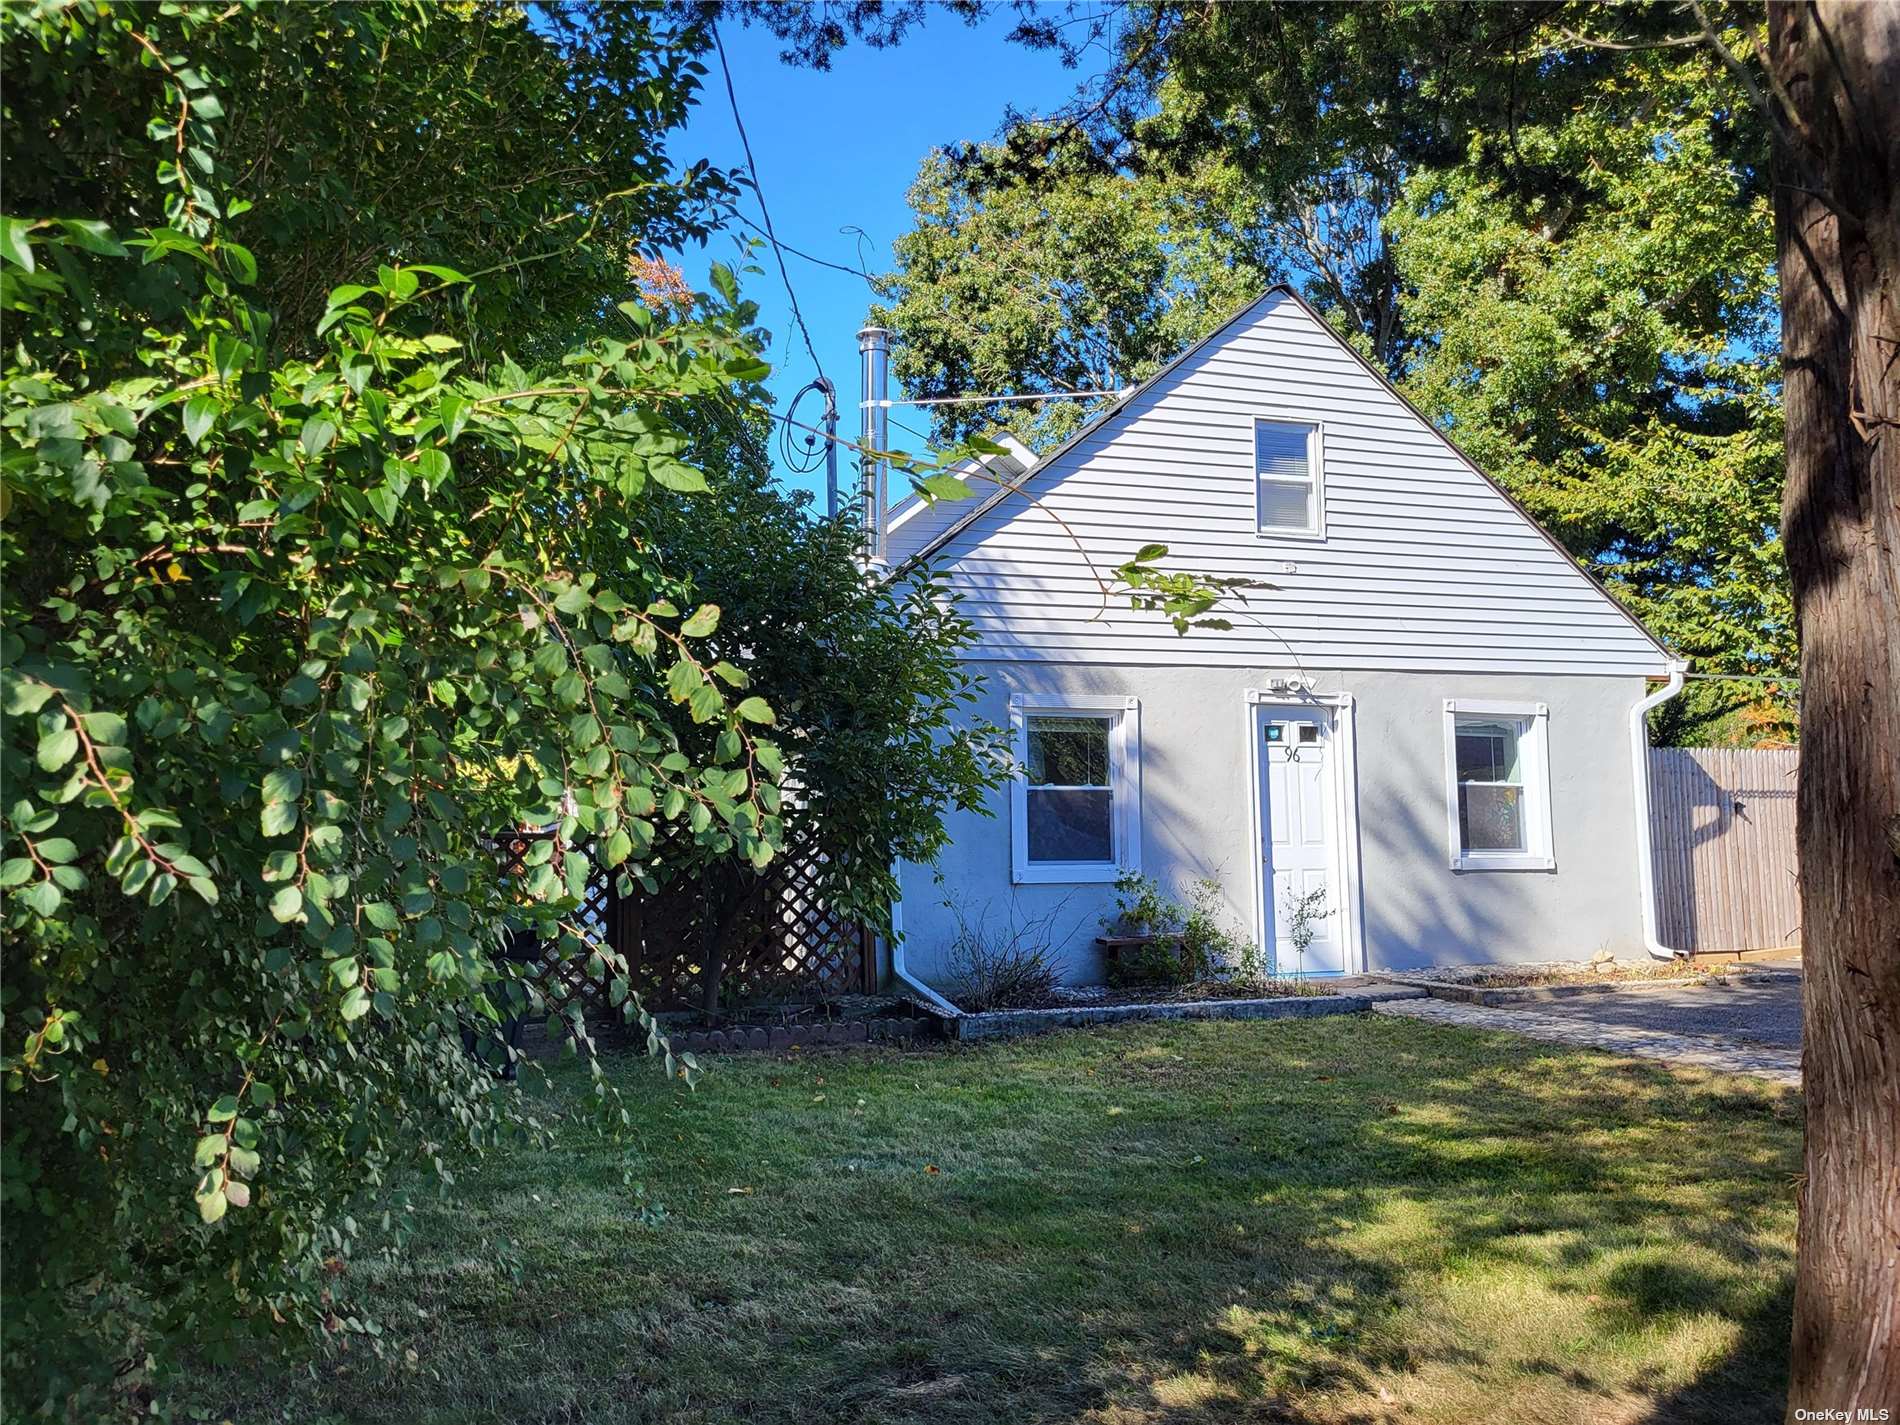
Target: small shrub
1011	966
1142	907
1159	962
1303	912
1193	942
1208	944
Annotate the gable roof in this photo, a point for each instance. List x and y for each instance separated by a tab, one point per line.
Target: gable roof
1282	292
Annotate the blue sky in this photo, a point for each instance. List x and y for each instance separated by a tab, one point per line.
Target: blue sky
837	150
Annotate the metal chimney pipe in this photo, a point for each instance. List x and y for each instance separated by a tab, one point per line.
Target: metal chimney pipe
874	371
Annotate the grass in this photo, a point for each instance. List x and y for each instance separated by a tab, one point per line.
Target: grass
1351	1219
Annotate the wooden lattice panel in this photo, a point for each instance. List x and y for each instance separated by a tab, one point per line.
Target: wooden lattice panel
787	945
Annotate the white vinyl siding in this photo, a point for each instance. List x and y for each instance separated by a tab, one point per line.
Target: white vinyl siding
1424	565
1290	492
1075	803
1497	786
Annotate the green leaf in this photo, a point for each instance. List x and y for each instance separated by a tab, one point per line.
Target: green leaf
945	487
16	872
277	818
42	897
56	749
94	236
756	710
242	265
223	1111
355	1003
704	620
211	1201
14	246
676	475
344	295
433	465
316	436
286	905
201	412
452	411
282	784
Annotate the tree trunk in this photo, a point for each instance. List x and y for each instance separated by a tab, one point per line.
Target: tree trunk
1835	67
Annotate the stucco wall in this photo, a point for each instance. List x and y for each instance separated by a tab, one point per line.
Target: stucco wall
1196	819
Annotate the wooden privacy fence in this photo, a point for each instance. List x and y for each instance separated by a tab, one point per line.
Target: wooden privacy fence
1722	829
782	943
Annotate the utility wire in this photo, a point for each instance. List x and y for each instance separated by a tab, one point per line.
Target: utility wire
987	400
820	261
758	192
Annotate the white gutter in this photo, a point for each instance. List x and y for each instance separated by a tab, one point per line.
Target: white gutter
1639	771
898	971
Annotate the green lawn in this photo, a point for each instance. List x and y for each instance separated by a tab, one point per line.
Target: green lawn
1350	1219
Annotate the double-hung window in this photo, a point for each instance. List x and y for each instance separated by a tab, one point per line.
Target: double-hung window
1290	494
1497	786
1075	801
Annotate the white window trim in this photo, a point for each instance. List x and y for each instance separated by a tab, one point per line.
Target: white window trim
1315	462
1533	750
1124	776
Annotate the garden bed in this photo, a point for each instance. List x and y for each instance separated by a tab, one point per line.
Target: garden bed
1194	992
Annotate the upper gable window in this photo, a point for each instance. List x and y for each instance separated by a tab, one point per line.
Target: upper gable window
1289	494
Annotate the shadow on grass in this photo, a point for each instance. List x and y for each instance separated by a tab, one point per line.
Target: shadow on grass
1338	1221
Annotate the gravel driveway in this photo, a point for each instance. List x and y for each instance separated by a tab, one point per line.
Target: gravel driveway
1767	1014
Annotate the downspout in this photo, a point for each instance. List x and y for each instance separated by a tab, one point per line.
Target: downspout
1639	771
898	970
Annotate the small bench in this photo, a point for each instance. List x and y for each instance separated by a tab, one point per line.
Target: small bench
1114	947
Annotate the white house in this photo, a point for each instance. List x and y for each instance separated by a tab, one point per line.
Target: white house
1429	715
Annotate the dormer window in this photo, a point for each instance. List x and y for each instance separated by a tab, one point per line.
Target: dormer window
1289	495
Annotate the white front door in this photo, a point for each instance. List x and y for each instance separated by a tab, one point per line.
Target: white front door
1299	835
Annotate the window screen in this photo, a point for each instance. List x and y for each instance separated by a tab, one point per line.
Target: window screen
1070	793
1283	469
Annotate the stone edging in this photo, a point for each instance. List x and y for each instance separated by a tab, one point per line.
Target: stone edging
1503	996
1008	1023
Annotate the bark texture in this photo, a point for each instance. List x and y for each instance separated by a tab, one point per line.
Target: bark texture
1834	71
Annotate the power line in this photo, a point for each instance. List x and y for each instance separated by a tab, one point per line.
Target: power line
869	280
988	400
912	429
758	191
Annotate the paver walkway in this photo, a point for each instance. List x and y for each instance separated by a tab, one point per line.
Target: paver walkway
1782	1066
1759	1010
